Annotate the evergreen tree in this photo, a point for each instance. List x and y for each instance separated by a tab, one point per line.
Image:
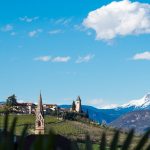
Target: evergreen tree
11	100
73	106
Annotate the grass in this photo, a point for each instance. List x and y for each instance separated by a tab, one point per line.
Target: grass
60	127
22	120
83	146
2	109
71	129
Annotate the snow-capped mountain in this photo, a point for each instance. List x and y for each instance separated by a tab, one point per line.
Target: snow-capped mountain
112	113
135	114
143	103
133	105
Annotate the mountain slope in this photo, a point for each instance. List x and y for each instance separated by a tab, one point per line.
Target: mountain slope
139	120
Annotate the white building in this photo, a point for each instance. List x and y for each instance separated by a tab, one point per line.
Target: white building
78	104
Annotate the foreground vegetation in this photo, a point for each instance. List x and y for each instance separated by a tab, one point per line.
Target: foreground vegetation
77	132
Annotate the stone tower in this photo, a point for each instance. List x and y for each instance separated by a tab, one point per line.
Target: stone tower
39	122
78	104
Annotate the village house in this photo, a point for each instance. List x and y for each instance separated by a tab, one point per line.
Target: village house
49	107
25	108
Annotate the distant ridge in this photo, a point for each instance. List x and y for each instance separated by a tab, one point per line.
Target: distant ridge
139	120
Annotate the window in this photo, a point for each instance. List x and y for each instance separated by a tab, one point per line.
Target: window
39	123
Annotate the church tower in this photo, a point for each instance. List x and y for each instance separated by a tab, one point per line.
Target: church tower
78	105
39	122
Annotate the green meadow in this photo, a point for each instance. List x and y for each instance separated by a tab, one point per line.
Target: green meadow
71	129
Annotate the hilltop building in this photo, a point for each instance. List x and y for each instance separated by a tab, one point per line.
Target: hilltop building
39	122
76	105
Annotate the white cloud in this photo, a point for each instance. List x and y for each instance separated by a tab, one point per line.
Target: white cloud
95	102
34	32
61	59
119	18
55	31
89	33
61	21
43	58
53	59
86	58
67	21
13	33
7	28
142	56
26	19
100	103
79	27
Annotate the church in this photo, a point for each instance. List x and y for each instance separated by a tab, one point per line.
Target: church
39	122
76	105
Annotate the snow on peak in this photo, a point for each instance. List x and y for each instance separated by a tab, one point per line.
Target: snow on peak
111	106
147	97
143	102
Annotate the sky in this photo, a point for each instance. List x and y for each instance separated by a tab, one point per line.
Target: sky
97	49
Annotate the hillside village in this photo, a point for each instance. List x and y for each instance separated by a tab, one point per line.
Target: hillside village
71	123
37	116
13	106
134	114
40	110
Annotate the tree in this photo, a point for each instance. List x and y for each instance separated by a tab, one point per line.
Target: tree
73	106
11	100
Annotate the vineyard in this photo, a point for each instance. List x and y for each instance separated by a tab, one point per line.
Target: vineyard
73	130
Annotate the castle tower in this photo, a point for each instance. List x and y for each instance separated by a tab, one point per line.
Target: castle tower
78	104
39	122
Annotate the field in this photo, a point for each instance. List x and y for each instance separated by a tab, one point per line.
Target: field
22	120
71	129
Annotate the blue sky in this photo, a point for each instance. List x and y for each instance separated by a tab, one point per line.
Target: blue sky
67	48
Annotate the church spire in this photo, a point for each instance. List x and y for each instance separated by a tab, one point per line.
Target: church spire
40	105
39	122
